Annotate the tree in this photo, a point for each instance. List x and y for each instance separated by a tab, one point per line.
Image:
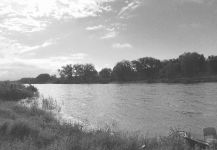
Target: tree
90	73
78	72
43	78
192	64
66	72
27	80
84	73
147	67
136	75
123	71
212	64
105	75
53	78
170	68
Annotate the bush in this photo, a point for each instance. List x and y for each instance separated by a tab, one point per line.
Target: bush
18	130
22	129
14	92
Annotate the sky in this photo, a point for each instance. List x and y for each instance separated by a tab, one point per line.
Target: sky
40	36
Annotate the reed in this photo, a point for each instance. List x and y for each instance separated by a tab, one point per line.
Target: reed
13	91
36	129
32	125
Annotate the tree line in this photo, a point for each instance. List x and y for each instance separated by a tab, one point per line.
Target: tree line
187	65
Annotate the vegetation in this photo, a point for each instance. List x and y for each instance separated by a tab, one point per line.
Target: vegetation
78	73
31	128
212	64
123	71
31	124
43	78
13	91
188	67
105	75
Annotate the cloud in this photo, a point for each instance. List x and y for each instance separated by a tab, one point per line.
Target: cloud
123	45
109	31
14	71
93	28
130	7
55	62
12	48
35	15
13	51
23	24
195	1
109	35
16	68
32	48
54	8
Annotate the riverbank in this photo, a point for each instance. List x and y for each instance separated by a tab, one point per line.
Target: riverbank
182	80
189	80
30	127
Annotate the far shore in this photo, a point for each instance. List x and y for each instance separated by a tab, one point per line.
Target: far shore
181	80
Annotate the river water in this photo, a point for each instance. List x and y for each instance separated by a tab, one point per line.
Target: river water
151	109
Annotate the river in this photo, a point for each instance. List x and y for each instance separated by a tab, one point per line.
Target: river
151	109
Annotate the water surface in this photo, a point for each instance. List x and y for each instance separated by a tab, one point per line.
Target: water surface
149	108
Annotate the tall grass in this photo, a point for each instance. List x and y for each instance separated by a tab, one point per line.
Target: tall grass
37	129
34	127
14	91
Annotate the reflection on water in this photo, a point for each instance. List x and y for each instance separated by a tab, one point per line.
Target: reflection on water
149	108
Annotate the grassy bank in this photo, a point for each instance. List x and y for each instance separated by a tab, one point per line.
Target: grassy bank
31	128
13	91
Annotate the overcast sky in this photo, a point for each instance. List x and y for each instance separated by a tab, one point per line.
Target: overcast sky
38	36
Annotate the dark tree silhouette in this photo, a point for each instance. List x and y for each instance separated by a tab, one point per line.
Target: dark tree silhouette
181	69
192	64
90	73
105	75
147	67
170	69
123	71
78	73
212	64
66	72
27	80
43	78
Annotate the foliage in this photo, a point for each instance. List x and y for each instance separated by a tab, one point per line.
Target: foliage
66	72
36	129
90	73
192	63
123	71
78	73
170	69
43	78
147	67
27	80
105	75
212	64
14	91
184	68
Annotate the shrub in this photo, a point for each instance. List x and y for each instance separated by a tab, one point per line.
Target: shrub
7	113
50	104
22	129
14	91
